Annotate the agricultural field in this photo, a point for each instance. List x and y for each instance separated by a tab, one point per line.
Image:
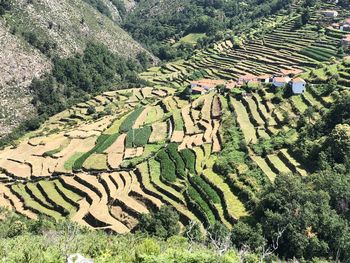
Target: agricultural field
104	162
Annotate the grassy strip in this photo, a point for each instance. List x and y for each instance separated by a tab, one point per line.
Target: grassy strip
130	120
167	167
138	137
176	157
207	189
190	160
203	206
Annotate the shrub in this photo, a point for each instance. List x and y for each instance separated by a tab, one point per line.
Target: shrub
175	156
167	167
204	207
207	189
190	159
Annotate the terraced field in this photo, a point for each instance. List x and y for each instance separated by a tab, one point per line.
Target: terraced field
144	148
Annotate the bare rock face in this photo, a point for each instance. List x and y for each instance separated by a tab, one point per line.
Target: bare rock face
19	64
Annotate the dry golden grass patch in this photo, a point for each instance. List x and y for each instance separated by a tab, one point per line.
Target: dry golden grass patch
118	146
159	132
19	170
177	136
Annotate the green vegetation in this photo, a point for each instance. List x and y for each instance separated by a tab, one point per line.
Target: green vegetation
175	156
167	167
189	158
127	124
138	137
154	28
199	204
207	189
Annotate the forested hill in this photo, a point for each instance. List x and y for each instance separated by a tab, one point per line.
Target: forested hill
32	33
160	24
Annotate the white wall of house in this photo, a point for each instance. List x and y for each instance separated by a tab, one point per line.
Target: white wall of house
298	87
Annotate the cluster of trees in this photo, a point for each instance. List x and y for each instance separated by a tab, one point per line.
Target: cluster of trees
77	79
196	16
5	5
326	143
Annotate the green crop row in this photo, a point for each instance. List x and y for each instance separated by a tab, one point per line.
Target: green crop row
204	207
205	187
130	120
190	160
176	157
138	137
167	167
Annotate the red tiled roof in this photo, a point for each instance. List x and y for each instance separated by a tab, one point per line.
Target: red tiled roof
298	80
247	77
291	71
264	76
231	84
346	38
199	89
281	79
208	82
347	21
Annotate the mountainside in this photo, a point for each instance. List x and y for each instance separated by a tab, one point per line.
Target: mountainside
242	145
40	30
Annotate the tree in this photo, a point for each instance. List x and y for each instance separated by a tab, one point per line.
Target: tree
339	142
163	223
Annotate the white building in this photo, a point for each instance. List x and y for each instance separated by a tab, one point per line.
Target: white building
280	81
298	86
330	13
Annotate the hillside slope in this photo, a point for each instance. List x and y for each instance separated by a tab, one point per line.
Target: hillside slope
41	30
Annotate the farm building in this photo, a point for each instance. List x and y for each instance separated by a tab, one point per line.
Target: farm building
198	90
207	84
290	72
231	84
330	13
246	78
264	78
345	25
298	86
346	41
280	81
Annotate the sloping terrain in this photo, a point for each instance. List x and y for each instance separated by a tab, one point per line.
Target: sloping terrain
34	32
145	147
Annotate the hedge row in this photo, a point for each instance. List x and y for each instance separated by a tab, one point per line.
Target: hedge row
130	120
207	189
138	137
190	160
167	167
175	156
196	198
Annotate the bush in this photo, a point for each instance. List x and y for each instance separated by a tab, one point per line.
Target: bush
190	160
207	189
204	207
175	156
167	167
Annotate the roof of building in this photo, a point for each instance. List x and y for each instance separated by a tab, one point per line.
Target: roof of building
247	77
330	11
298	80
291	71
281	79
346	38
231	84
208	82
264	76
347	21
199	89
